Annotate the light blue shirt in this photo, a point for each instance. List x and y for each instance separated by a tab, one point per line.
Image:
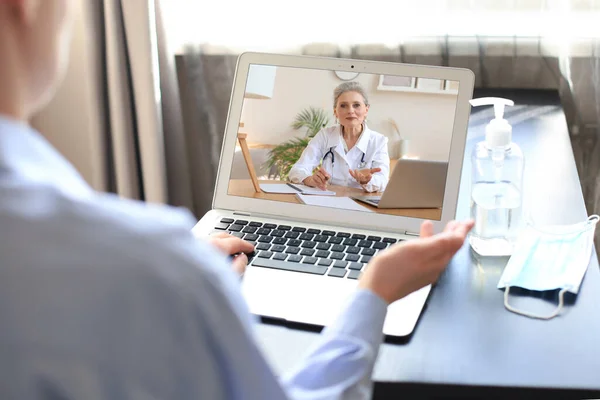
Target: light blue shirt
104	298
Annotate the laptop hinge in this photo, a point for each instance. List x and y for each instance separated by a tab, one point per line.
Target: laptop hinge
247	214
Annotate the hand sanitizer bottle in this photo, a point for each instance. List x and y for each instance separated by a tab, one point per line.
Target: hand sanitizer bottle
496	185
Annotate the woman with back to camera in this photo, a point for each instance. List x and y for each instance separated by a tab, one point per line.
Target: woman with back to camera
348	153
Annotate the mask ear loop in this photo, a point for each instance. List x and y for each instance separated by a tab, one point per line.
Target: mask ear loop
530	315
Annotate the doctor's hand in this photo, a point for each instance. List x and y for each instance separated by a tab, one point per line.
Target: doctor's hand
233	246
319	179
408	266
363	176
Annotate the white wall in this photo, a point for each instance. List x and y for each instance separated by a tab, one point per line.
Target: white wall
425	119
73	121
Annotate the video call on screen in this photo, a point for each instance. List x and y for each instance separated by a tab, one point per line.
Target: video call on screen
354	141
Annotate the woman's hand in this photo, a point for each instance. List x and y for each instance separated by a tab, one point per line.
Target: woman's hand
233	246
319	179
363	176
408	266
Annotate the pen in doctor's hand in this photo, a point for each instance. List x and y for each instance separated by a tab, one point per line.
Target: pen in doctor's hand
324	176
319	179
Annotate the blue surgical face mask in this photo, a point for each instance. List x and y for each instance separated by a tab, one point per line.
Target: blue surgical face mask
549	258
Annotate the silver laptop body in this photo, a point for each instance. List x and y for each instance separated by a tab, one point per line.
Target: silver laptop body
314	296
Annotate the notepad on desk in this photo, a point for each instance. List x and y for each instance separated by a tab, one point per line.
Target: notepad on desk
345	203
294	188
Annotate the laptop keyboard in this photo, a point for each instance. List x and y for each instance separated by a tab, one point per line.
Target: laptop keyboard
299	249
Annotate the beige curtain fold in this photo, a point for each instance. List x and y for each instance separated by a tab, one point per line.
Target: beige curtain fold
74	121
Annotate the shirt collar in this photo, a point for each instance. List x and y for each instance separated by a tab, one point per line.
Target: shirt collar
26	155
339	146
362	144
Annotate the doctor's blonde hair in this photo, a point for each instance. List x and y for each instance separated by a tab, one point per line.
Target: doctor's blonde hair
349	87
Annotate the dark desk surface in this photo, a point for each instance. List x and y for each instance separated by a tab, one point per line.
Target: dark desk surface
466	343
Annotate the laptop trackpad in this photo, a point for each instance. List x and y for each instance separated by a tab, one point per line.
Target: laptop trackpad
297	297
317	300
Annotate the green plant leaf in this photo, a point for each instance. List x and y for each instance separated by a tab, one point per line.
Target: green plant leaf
284	156
313	119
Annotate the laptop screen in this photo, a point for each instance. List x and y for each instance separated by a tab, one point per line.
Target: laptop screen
335	139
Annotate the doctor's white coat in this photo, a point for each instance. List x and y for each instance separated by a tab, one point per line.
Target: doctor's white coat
372	145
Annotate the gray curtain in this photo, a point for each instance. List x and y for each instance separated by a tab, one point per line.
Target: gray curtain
205	83
584	117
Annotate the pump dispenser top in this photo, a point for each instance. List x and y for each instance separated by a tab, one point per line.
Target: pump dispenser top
498	132
496	185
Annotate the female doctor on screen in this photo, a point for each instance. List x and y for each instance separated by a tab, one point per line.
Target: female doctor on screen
348	153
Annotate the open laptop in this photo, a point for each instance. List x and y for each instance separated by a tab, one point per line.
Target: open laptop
413	184
308	258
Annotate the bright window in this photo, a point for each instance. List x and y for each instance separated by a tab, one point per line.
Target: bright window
280	25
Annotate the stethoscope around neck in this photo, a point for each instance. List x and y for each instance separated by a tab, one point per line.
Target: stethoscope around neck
361	165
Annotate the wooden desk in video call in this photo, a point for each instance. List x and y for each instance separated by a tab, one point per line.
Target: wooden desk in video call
245	188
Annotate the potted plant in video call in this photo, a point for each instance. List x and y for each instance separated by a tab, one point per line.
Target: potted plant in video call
285	155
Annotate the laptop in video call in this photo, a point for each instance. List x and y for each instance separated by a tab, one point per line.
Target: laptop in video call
311	249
